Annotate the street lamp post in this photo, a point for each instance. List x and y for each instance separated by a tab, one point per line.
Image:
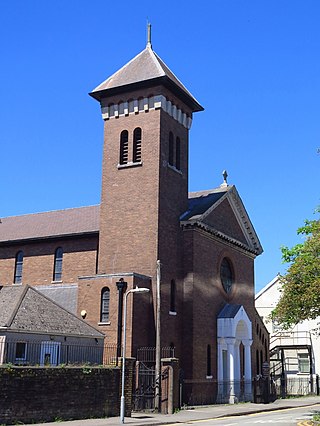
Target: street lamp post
122	401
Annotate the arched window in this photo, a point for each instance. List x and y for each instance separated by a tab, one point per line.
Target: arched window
18	268
123	147
209	372
226	275
105	302
171	149
136	145
57	268
178	144
173	296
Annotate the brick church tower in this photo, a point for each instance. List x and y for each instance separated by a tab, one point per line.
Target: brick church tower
147	115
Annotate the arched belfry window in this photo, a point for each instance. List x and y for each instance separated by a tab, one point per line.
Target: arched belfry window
226	275
178	153
124	138
18	268
137	134
105	302
57	268
171	149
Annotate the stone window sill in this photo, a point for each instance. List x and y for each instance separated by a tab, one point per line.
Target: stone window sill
172	313
104	323
130	164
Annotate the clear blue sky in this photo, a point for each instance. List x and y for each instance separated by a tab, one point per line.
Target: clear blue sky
253	65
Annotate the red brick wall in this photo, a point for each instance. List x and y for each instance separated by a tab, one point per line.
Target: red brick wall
224	220
204	297
140	322
79	258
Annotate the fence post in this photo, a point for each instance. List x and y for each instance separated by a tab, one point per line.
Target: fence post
170	385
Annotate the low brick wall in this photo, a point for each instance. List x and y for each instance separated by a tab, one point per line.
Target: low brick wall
33	395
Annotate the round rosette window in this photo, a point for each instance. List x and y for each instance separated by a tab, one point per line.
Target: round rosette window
226	275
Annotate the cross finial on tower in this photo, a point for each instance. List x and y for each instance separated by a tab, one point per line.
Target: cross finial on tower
149	35
225	175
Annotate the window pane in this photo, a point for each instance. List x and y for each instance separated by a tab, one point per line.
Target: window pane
18	268
173	296
178	153
226	275
105	302
304	363
57	272
21	350
171	149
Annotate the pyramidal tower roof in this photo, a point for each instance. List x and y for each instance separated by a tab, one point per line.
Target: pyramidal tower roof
145	70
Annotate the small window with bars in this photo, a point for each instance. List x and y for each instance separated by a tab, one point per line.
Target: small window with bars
18	268
57	269
105	305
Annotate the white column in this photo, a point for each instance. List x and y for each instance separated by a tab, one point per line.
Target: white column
237	373
220	360
230	344
237	360
247	368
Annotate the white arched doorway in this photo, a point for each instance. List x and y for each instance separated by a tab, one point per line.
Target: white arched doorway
234	365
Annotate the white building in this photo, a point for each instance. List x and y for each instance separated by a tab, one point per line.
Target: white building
294	353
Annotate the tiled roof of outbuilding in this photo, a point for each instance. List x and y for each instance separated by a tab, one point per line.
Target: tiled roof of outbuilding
25	309
57	223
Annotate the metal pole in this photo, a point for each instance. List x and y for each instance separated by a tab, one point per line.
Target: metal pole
158	344
122	400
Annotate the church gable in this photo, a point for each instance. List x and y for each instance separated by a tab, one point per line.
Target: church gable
221	212
222	219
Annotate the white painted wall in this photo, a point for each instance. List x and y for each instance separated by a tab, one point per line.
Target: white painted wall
265	302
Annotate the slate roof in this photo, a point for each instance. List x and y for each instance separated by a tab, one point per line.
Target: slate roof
85	220
82	220
65	295
199	202
145	69
22	308
229	311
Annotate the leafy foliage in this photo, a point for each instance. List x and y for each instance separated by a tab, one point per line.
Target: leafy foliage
300	298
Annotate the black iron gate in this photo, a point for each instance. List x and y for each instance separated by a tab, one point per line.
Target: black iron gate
144	378
143	387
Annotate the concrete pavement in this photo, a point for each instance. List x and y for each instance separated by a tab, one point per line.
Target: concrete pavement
192	414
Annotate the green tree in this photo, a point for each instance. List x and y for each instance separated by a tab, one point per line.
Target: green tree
300	294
